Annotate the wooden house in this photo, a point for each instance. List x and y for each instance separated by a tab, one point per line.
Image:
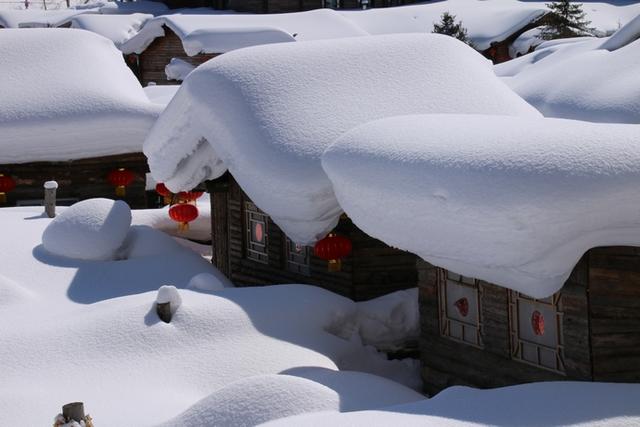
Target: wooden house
250	249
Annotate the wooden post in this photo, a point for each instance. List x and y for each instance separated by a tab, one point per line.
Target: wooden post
218	191
50	188
73	411
164	311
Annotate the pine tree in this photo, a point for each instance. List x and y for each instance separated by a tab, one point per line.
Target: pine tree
566	20
450	27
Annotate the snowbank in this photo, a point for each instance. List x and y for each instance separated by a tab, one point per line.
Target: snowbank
581	404
117	28
178	69
223	32
87	104
627	34
267	113
35	18
160	94
93	229
514	201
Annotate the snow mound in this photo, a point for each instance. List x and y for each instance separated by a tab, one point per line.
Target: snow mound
93	229
514	201
87	104
205	282
178	69
267	113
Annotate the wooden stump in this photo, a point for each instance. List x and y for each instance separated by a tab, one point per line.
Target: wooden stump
73	411
50	199
164	311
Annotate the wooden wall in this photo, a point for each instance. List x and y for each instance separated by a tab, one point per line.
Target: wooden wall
78	179
152	61
446	362
614	294
374	269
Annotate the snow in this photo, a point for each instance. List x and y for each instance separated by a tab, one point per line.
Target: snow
117	28
87	104
50	185
93	229
205	282
581	404
160	94
511	200
199	229
223	32
35	18
250	111
626	35
131	7
178	69
526	42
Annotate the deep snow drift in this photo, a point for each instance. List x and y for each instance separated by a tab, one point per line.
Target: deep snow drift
267	113
514	201
87	103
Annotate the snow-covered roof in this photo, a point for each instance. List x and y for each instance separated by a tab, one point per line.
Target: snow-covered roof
72	96
604	83
223	32
127	7
268	112
486	21
117	28
36	18
512	200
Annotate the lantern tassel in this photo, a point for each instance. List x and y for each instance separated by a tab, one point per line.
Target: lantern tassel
334	265
121	190
183	227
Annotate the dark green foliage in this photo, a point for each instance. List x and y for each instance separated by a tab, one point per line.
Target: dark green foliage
567	20
450	27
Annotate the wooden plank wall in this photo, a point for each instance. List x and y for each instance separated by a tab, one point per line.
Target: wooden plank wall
152	61
373	270
446	362
614	291
79	179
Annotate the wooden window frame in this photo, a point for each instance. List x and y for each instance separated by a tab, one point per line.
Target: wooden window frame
256	251
445	321
518	343
294	261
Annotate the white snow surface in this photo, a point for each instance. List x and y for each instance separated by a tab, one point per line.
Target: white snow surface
117	28
223	32
87	104
34	18
92	229
515	201
160	94
267	113
130	7
204	282
527	41
178	69
576	404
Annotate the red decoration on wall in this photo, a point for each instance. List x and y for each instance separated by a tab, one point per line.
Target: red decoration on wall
333	248
6	185
463	306
120	178
537	323
258	232
183	214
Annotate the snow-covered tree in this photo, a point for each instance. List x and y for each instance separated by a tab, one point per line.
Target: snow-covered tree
567	19
450	27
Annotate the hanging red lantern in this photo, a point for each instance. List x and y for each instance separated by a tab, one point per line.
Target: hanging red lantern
6	184
189	196
120	178
537	323
183	214
333	248
163	191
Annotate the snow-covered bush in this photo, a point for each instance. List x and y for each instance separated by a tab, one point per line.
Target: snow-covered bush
93	229
205	282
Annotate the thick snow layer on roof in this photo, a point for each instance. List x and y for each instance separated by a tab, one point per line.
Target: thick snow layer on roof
625	35
216	33
87	103
604	86
39	17
88	330
527	41
267	113
575	404
512	200
138	6
117	28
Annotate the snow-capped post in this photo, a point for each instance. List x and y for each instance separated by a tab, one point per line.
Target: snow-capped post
50	188
73	411
164	311
167	302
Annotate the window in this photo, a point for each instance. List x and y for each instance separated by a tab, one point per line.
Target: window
459	308
536	331
257	234
298	257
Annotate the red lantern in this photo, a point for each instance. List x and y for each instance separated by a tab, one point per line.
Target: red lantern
189	196
332	248
463	306
537	323
120	178
6	184
163	191
183	214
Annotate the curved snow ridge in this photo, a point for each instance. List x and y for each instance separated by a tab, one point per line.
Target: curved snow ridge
117	28
269	112
515	201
